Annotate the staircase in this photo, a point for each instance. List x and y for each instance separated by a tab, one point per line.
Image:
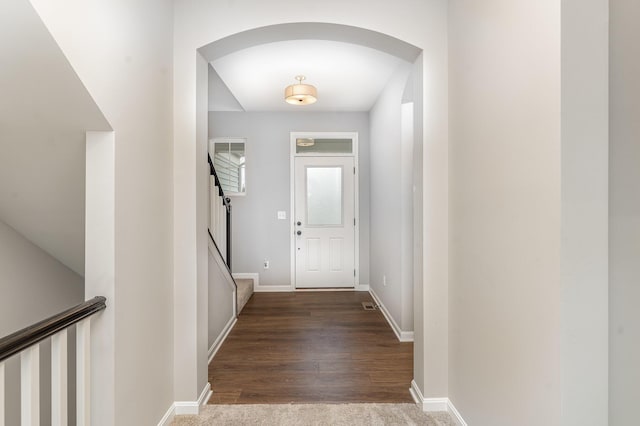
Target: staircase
220	233
244	292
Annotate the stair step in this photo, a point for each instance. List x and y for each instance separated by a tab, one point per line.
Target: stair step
245	290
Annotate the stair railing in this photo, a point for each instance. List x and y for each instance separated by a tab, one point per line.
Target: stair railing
26	343
220	210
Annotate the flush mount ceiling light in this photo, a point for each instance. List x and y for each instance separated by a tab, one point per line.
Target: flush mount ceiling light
305	142
300	94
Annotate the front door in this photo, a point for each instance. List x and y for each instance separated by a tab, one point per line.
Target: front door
324	222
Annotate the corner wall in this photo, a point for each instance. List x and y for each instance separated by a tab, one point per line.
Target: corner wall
504	288
44	113
584	288
529	177
121	50
391	203
624	219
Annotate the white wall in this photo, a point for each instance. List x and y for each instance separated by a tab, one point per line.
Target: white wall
528	175
198	23
220	97
624	238
33	286
200	361
584	209
257	233
391	203
504	290
100	268
407	132
221	299
121	51
44	113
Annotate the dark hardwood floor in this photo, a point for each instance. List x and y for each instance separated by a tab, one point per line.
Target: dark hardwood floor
308	347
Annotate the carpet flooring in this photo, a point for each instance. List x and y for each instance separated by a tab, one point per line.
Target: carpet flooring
314	414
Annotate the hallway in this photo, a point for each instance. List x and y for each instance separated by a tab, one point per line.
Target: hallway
307	347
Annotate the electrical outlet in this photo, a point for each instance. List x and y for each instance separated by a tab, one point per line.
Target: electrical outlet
282	215
266	264
384	280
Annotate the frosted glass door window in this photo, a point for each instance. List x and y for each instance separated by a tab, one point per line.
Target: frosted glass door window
324	196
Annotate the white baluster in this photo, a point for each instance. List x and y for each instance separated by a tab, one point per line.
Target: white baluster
218	223
59	379
216	226
223	231
2	393
213	202
83	367
30	391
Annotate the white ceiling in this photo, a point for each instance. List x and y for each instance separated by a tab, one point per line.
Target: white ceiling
348	77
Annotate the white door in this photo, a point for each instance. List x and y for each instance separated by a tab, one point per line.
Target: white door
324	222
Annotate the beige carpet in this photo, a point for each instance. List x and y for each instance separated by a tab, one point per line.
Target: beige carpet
245	291
315	414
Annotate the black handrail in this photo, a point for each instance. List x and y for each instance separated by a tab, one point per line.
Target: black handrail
20	340
220	253
212	172
227	203
233	280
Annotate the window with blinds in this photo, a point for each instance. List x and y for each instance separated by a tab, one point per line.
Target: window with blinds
229	161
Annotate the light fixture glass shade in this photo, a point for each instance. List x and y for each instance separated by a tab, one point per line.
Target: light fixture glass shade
305	141
300	94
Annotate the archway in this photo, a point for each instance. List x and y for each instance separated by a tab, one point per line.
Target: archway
343	34
196	26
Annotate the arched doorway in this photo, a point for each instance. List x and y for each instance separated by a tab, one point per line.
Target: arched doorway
196	26
407	90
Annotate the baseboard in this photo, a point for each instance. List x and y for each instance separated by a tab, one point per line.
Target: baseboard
205	395
436	404
193	407
257	287
403	336
168	416
287	288
221	337
416	393
272	288
315	290
248	276
186	407
453	412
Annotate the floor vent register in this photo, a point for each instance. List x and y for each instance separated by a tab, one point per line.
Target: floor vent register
369	306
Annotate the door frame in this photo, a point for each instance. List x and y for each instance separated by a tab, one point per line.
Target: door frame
356	194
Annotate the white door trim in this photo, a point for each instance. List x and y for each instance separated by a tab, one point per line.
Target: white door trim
356	183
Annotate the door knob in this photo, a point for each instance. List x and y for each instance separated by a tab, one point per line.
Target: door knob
299	232
299	223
